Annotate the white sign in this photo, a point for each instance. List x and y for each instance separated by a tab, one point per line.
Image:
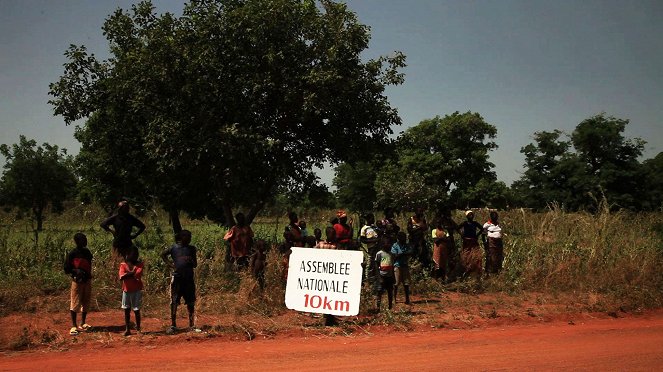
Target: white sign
324	281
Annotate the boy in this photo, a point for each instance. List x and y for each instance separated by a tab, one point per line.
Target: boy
131	272
182	282
401	253
385	266
79	265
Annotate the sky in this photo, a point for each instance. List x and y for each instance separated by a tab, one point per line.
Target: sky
524	65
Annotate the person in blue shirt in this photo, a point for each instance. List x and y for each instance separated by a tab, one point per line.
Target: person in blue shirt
183	260
401	252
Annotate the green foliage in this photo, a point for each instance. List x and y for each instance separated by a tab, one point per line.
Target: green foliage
616	255
35	178
227	105
603	164
355	185
440	161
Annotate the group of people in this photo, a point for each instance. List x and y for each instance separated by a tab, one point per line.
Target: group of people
388	251
124	227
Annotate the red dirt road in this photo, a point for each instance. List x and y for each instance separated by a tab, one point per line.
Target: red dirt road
632	343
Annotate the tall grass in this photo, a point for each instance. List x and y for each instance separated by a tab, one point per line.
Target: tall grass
617	255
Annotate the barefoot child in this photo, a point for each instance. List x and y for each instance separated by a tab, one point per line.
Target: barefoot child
401	252
182	282
79	265
131	271
385	267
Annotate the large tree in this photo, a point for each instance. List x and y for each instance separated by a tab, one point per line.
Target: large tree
595	161
438	162
227	105
36	178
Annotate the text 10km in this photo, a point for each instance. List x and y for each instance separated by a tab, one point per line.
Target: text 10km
317	302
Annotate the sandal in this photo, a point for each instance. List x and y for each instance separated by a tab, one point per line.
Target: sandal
73	331
86	327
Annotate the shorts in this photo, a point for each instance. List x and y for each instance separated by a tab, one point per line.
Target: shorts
180	287
132	300
402	274
81	293
386	283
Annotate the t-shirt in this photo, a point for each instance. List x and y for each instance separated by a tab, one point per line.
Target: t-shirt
184	258
78	264
343	233
469	229
369	232
131	283
123	225
403	250
385	261
492	230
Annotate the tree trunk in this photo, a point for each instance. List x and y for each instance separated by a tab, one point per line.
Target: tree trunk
228	213
174	215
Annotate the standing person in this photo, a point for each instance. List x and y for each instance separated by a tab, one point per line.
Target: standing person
401	253
369	238
123	224
293	238
451	227
240	238
329	243
343	231
317	233
78	265
131	273
258	262
441	243
388	226
293	233
385	266
471	255
494	246
182	260
417	227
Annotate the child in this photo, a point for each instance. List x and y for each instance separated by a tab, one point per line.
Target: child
401	253
182	282
317	233
385	266
257	263
79	265
131	271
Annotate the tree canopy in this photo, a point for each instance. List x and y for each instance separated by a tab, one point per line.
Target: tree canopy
36	178
440	161
595	161
227	105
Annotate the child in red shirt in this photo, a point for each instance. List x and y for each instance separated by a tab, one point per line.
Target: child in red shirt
131	271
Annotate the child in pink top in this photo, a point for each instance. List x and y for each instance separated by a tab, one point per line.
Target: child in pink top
131	271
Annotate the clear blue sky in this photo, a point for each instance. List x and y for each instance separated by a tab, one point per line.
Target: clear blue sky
524	65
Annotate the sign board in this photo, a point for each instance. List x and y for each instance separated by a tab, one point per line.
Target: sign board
324	281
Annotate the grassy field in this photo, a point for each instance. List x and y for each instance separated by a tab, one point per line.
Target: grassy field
605	259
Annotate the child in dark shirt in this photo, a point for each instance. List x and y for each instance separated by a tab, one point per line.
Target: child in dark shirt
78	265
131	272
182	283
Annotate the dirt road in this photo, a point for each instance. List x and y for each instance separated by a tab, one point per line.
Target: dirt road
632	343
